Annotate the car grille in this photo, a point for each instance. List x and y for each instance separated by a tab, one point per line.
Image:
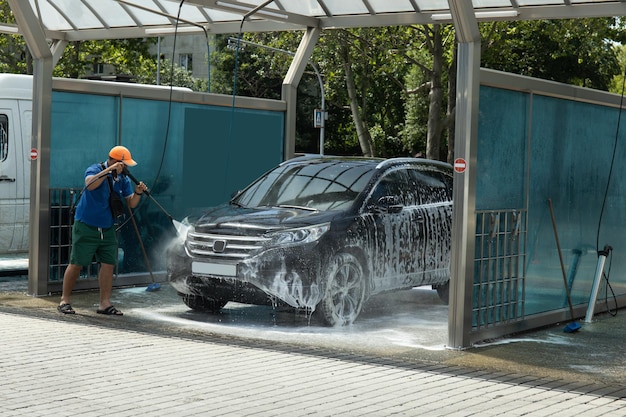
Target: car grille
225	242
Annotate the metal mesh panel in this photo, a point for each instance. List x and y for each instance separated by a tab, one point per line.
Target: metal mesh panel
499	284
61	202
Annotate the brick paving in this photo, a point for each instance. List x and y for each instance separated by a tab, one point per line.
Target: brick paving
64	368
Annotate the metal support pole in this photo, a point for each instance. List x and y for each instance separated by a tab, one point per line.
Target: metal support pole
290	84
465	145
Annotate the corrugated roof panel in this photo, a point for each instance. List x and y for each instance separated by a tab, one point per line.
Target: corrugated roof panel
342	7
430	5
53	19
541	2
74	11
191	12
143	12
124	18
111	12
303	7
396	6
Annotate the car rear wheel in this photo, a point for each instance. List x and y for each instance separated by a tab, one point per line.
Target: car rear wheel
443	291
204	304
345	291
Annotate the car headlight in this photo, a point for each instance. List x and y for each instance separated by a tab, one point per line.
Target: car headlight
298	236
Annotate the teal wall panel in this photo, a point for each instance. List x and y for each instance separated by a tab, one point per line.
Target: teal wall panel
83	129
533	148
225	150
502	149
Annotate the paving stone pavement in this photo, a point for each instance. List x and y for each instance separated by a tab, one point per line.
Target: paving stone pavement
65	368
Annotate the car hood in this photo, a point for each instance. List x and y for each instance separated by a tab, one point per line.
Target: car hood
263	217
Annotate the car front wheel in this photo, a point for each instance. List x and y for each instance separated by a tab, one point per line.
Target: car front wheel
204	304
345	291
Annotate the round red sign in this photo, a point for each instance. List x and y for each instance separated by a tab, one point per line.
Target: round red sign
460	165
33	154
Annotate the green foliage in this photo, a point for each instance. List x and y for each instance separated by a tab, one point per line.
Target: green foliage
259	71
126	56
618	84
573	51
180	78
14	55
377	57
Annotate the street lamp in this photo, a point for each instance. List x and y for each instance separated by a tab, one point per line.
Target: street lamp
319	117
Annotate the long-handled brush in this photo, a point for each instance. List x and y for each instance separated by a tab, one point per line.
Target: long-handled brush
574	325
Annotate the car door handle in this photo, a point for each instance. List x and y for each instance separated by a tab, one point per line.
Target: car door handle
7	179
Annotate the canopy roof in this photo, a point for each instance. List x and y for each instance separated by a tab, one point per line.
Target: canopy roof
72	20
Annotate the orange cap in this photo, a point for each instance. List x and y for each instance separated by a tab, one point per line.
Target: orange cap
121	153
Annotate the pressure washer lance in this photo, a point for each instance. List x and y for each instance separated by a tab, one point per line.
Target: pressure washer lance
136	181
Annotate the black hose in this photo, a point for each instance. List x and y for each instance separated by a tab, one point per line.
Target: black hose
136	181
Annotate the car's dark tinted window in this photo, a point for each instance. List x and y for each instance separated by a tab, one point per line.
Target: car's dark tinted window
394	187
432	186
327	185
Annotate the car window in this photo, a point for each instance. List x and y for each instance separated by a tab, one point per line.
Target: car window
327	185
431	186
4	137
392	188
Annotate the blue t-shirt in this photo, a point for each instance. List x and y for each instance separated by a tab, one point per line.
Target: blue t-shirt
93	207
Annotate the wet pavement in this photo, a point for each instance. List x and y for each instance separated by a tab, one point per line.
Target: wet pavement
408	326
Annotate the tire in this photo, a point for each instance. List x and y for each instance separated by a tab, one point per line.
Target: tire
443	291
204	304
345	291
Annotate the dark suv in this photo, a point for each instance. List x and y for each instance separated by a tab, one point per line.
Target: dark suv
322	234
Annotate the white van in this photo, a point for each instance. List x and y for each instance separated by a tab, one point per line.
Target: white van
15	138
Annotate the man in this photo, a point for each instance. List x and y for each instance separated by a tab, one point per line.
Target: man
93	232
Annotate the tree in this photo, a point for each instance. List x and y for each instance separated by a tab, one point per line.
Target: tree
363	75
433	61
618	84
573	51
14	55
175	75
129	57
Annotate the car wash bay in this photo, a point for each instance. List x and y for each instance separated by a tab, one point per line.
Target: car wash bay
531	133
507	276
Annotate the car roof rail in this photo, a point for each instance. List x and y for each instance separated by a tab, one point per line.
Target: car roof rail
405	160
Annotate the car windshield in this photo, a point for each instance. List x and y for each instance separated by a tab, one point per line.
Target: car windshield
315	185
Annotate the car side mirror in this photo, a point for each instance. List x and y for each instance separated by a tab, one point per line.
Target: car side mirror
387	201
387	204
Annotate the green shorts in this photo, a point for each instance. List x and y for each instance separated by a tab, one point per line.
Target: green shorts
88	241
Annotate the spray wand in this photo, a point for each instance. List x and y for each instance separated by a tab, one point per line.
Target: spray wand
136	181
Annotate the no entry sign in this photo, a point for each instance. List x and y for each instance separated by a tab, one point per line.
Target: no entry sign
460	165
34	154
